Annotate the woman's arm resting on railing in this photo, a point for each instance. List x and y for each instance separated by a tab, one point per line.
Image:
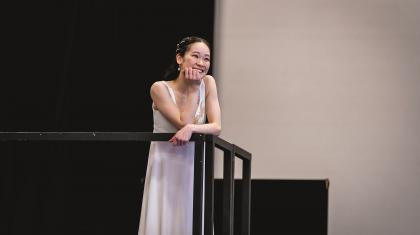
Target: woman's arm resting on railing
213	112
162	101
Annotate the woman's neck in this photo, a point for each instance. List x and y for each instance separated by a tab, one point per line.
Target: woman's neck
186	86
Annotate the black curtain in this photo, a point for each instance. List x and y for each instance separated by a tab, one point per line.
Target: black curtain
83	65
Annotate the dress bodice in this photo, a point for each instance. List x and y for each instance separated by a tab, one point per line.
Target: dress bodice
162	125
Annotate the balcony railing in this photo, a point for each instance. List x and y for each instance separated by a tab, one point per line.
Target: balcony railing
204	163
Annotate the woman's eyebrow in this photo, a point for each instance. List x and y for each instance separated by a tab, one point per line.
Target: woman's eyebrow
200	53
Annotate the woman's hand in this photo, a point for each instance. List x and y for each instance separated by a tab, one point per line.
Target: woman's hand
193	74
182	136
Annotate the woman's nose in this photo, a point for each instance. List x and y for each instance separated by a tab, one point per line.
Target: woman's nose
200	61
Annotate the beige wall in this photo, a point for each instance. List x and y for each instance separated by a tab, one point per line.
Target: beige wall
328	89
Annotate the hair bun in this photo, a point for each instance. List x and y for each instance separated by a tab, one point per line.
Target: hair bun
182	45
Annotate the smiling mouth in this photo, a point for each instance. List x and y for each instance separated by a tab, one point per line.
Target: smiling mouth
199	70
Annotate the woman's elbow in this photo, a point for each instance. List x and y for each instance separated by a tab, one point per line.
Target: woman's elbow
218	129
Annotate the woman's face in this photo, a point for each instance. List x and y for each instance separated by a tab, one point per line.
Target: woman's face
197	58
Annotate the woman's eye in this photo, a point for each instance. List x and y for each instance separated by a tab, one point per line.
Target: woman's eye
196	56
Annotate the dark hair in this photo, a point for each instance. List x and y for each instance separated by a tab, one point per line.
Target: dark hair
183	46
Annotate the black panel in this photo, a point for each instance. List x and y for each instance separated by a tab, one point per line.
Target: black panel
71	188
291	207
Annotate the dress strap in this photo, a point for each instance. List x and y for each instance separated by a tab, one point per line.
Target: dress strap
202	91
171	92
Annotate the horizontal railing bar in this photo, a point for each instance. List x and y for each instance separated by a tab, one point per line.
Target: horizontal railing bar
242	153
226	146
222	144
90	136
116	136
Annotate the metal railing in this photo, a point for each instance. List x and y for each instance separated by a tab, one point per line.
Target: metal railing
204	163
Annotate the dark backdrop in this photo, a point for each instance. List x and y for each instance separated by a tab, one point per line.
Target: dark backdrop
83	65
88	65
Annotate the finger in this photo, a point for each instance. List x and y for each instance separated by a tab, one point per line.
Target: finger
190	73
200	75
195	74
173	140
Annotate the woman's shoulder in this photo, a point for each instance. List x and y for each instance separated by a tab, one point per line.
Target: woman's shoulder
210	84
156	86
159	85
159	88
209	80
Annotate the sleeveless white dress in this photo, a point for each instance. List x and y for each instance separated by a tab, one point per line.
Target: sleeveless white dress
168	191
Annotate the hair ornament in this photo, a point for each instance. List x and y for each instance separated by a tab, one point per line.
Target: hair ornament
181	46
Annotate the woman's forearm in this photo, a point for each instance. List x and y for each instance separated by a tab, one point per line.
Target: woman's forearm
208	128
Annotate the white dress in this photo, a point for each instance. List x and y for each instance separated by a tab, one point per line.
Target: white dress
168	191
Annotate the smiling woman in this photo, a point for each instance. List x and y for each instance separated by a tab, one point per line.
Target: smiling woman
179	106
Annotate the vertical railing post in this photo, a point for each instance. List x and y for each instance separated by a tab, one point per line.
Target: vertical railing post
228	191
246	197
209	186
198	186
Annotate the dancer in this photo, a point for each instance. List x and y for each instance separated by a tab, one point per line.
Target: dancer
180	105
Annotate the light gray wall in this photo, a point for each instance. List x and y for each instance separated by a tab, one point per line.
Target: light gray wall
328	89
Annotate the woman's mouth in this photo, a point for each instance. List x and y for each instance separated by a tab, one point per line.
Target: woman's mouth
199	70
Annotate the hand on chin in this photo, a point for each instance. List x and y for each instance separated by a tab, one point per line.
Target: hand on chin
193	74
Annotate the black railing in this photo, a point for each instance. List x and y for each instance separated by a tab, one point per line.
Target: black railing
203	163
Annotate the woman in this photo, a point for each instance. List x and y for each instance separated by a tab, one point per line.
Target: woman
179	106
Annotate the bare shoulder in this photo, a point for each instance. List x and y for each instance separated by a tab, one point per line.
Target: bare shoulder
157	85
208	79
210	82
158	89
